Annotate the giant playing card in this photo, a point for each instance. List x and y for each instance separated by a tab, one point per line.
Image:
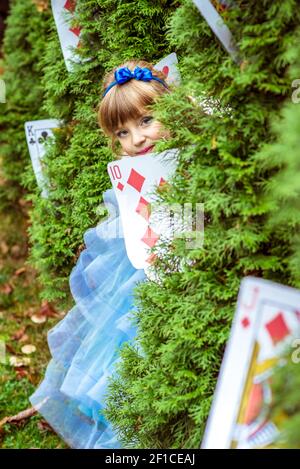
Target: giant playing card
211	9
37	134
168	65
266	322
134	180
63	12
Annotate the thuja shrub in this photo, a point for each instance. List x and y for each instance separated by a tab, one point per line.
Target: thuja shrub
282	193
112	31
162	393
24	42
285	406
282	190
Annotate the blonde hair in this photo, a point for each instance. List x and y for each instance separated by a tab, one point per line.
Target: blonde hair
129	100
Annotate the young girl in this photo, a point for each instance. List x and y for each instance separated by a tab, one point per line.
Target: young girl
84	345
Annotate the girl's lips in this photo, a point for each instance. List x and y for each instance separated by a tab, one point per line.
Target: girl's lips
146	150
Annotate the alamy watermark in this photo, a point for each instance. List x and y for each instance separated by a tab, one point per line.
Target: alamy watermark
296	92
185	221
296	353
2	91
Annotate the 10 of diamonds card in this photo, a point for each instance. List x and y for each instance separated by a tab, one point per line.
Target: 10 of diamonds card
134	180
266	323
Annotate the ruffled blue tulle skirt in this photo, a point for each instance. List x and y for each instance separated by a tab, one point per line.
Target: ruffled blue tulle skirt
85	344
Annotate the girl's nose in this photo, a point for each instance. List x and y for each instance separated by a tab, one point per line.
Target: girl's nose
138	137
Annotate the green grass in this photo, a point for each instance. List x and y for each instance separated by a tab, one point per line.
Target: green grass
19	300
29	433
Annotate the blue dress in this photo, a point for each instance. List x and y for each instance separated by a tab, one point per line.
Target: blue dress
84	345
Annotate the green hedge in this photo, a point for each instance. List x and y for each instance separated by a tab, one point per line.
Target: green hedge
23	47
285	407
113	31
283	191
161	397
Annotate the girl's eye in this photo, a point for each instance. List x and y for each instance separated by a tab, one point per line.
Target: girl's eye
146	120
121	133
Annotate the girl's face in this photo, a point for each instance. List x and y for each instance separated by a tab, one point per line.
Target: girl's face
138	136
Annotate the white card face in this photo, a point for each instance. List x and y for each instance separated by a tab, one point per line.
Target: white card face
63	11
134	180
37	133
210	11
266	322
168	65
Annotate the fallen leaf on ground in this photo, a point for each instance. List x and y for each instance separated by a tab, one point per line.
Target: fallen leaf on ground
6	289
37	319
19	333
28	349
17	362
20	271
24	338
47	310
21	373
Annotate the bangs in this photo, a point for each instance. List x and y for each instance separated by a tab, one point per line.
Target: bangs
126	102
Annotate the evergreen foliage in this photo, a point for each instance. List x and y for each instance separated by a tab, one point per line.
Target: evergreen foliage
283	191
112	31
24	43
229	160
162	396
285	408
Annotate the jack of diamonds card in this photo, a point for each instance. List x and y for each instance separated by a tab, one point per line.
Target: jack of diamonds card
37	133
266	322
134	180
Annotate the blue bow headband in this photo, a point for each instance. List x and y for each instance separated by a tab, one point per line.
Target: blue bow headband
122	75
